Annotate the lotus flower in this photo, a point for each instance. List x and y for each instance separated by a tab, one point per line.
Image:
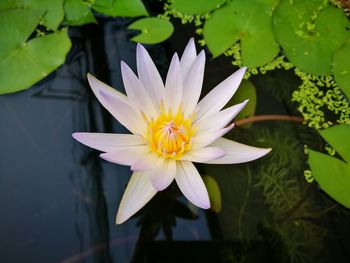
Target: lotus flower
170	128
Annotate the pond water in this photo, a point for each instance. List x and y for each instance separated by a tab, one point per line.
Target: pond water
59	199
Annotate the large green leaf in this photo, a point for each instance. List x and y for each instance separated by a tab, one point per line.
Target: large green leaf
332	174
195	7
24	63
308	36
78	13
341	67
127	8
153	30
13	31
53	9
248	21
338	137
213	192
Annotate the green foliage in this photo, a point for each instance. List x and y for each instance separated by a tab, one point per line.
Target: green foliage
153	30
245	91
332	174
78	13
249	22
309	39
125	8
31	60
52	9
294	238
318	96
341	67
195	7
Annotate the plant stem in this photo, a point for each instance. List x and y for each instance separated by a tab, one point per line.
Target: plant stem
269	118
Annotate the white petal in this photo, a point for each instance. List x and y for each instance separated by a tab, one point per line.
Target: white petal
117	104
106	142
173	86
220	119
163	175
126	155
205	138
220	95
188	57
191	184
149	75
138	193
136	91
147	162
192	85
236	152
203	154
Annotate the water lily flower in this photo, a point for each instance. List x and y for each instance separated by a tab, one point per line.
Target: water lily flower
170	128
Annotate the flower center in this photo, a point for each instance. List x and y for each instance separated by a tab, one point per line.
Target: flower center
170	135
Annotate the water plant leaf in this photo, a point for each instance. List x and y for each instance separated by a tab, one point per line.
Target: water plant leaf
126	8
214	193
245	91
309	39
341	67
338	137
249	22
332	174
153	30
78	13
32	60
195	7
53	10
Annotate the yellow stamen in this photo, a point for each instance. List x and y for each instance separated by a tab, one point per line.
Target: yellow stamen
170	135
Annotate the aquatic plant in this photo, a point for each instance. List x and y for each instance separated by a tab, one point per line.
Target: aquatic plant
171	129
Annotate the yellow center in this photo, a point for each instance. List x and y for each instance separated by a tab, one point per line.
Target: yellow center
170	135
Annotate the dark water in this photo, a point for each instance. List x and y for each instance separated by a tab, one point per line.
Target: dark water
58	199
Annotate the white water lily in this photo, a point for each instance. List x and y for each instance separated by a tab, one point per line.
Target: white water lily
170	128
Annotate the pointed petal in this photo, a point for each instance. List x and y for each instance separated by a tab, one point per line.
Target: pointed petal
126	155
203	154
173	86
147	162
191	184
220	95
106	142
117	104
136	92
193	84
236	152
188	57
220	119
205	138
138	193
149	75
162	176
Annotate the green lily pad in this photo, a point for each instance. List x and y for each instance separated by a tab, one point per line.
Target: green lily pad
341	67
245	91
195	7
308	36
247	21
53	9
332	174
78	13
24	63
126	8
213	192
153	30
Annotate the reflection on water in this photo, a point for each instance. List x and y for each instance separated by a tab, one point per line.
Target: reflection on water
59	199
